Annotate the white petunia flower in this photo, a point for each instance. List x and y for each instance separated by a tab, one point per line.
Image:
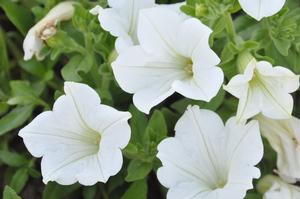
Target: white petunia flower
173	55
259	9
274	188
284	137
80	140
121	19
264	89
207	160
46	28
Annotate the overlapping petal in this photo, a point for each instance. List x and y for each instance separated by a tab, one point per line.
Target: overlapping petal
207	160
173	55
259	9
80	140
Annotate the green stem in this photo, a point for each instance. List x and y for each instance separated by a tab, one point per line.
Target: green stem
230	28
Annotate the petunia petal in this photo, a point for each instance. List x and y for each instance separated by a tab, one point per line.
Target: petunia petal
280	77
204	85
249	104
245	149
111	21
275	188
156	31
259	9
192	41
122	18
276	103
147	76
284	136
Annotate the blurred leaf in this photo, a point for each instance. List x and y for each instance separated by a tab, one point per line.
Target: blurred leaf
15	118
137	170
137	190
13	159
18	15
89	192
19	180
9	193
4	63
3	107
37	69
56	191
23	94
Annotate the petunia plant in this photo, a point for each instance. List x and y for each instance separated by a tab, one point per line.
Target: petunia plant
150	99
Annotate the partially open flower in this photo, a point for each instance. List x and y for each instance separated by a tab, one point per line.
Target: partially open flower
274	188
259	9
264	89
80	140
207	160
46	28
173	55
284	137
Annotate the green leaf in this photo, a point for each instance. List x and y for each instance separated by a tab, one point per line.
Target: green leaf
137	190
82	18
137	170
23	94
18	15
9	193
158	124
15	118
13	159
138	125
61	42
19	179
56	191
77	64
37	69
3	107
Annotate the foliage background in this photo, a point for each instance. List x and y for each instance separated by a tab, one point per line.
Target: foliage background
81	51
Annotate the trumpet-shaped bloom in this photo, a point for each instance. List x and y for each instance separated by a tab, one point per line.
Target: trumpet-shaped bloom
121	19
259	9
173	55
207	160
46	28
264	89
284	137
80	140
278	189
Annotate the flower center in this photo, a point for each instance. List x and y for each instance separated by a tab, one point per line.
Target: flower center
97	139
189	67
